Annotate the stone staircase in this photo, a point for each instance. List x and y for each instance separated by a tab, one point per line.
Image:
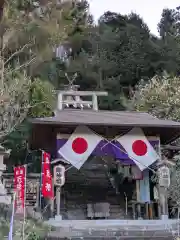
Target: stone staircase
114	229
91	184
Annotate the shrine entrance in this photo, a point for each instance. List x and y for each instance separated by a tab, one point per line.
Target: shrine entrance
109	184
95	192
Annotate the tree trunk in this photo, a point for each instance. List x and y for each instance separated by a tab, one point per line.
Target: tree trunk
1	8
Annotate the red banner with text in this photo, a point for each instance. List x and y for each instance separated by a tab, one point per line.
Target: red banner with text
47	182
19	188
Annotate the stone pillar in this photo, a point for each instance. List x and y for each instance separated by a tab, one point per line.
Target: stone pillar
4	198
164	182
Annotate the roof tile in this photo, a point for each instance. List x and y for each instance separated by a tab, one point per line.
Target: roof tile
109	118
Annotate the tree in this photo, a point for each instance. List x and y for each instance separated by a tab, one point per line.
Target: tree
79	20
169	23
173	191
28	34
27	38
115	55
43	99
14	104
169	29
159	97
42	103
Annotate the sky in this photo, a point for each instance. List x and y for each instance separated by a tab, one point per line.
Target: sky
149	10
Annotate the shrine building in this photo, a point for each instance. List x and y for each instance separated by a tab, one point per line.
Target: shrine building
110	184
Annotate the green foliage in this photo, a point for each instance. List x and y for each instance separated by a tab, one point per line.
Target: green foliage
43	99
14	97
113	55
173	191
34	227
169	23
42	103
118	53
28	34
159	97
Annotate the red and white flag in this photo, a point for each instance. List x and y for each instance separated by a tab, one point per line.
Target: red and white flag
47	182
138	148
19	188
79	146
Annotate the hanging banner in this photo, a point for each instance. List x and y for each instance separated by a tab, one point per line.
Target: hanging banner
145	187
47	183
19	188
136	173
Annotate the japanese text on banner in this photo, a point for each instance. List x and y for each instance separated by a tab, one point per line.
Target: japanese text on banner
19	188
47	186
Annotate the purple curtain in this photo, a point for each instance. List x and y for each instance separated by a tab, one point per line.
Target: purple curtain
117	151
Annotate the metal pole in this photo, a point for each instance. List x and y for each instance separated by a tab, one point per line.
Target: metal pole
52	204
24	220
58	200
126	204
40	190
12	218
178	221
161	199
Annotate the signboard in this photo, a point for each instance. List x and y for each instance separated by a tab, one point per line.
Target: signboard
59	175
32	186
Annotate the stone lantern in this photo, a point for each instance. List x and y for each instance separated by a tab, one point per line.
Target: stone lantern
164	182
4	154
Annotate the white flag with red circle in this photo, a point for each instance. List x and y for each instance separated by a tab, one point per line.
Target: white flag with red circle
79	146
138	148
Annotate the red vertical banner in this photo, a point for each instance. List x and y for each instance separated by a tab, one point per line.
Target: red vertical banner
47	182
19	188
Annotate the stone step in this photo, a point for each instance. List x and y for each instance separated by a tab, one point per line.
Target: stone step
110	238
114	229
64	234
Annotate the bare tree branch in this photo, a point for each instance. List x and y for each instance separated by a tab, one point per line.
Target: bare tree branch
26	64
16	53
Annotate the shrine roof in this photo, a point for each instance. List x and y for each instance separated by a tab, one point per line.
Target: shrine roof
106	118
103	121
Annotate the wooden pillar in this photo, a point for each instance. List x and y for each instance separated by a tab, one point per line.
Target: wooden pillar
95	102
60	101
147	210
164	182
138	210
37	195
138	199
137	190
134	210
164	201
159	209
150	210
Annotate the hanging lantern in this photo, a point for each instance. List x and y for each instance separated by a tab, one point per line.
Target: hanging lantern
164	176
